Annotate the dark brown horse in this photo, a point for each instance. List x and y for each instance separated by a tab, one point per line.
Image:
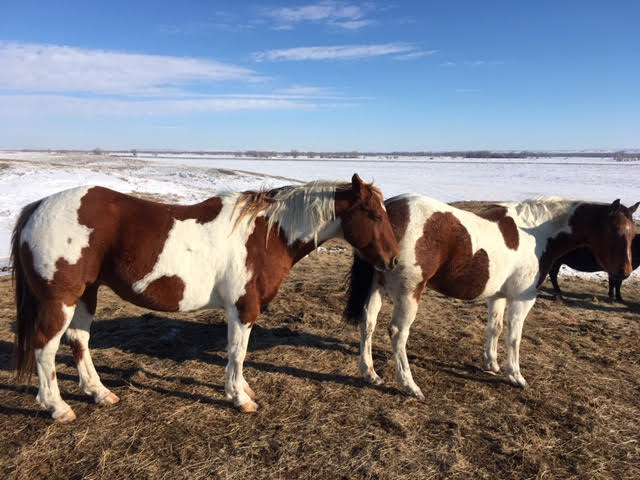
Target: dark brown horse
231	251
584	260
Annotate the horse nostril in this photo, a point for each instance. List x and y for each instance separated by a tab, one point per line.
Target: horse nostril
394	262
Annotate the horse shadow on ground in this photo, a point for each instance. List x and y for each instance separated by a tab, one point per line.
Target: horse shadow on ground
589	301
178	340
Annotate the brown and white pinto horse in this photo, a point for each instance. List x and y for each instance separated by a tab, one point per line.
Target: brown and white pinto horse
231	251
468	256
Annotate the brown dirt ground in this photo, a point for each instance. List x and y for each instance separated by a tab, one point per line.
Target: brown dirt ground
579	418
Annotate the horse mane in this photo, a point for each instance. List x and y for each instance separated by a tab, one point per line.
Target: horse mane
538	210
299	210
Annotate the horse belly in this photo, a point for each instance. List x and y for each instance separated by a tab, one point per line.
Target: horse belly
465	283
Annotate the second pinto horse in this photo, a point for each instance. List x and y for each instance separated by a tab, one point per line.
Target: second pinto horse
502	255
232	251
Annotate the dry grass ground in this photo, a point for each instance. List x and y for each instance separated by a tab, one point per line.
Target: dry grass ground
580	417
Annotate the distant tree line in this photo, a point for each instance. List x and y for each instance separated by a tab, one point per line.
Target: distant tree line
619	156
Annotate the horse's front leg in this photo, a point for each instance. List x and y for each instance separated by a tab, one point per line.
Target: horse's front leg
404	313
236	388
517	311
367	327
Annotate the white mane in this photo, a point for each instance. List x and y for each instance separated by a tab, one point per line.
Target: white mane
300	211
536	211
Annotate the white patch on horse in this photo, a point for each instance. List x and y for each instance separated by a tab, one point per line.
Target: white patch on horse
209	258
543	218
53	231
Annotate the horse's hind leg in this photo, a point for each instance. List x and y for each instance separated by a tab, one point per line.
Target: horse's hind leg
54	318
517	311
78	337
367	327
494	328
404	313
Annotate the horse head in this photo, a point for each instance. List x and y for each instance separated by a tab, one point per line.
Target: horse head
611	242
365	224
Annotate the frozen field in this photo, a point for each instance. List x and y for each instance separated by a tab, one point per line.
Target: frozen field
187	178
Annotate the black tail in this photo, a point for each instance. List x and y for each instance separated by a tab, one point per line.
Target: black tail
26	303
358	289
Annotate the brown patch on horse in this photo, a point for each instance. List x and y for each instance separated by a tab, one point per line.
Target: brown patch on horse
417	292
268	267
506	224
116	246
53	375
41	331
203	212
77	350
398	212
448	264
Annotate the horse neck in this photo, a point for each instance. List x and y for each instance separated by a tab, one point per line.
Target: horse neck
299	248
309	220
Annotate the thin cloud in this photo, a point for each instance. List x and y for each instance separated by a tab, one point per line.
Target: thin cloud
473	63
306	91
354	24
56	68
37	80
481	63
42	105
338	52
416	55
346	15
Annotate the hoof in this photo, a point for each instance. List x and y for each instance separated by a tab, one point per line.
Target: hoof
419	395
492	368
66	417
249	391
249	407
415	392
373	379
110	399
518	381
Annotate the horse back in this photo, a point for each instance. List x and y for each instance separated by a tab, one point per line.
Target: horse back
458	253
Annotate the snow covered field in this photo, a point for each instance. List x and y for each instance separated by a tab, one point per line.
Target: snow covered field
187	178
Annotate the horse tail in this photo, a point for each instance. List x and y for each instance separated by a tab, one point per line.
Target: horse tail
26	303
358	282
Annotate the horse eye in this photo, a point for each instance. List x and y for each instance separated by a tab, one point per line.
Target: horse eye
374	216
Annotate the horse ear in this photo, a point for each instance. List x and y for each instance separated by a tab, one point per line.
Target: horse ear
615	205
634	207
358	185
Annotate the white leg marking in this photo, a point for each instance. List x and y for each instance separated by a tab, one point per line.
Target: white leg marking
367	327
90	382
494	328
404	313
236	388
48	392
517	311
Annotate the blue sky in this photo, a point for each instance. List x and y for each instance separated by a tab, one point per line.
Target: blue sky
320	75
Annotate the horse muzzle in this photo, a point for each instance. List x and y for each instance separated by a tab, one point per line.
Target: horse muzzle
383	266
